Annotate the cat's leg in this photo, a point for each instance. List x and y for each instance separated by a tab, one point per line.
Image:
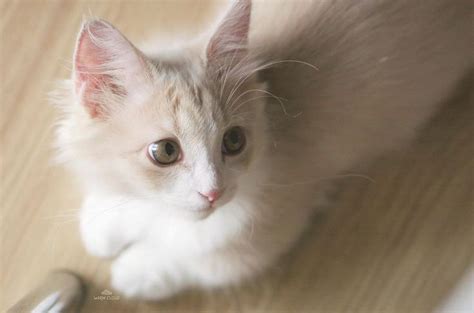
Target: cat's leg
106	226
142	271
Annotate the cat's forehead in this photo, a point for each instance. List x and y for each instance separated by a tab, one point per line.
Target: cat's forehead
189	105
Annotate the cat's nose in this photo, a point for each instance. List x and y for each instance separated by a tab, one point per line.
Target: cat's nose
211	195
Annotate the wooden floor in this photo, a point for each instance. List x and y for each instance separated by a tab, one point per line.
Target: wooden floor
398	243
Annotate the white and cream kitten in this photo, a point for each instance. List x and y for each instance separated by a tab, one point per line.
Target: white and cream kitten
202	163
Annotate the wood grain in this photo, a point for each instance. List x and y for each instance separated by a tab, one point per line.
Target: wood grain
397	244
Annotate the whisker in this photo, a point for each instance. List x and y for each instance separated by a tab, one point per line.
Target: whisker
320	180
279	99
109	210
248	100
227	74
261	67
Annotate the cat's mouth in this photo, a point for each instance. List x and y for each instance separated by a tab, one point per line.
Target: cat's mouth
205	210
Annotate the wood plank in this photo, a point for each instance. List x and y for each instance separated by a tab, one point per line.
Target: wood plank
394	245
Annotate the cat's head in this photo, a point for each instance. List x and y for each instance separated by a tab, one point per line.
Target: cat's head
180	131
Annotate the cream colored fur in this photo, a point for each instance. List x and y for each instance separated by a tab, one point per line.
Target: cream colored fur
320	87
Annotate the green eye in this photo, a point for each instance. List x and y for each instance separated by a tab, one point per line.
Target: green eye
234	141
164	152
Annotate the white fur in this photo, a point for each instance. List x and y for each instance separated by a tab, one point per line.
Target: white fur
153	221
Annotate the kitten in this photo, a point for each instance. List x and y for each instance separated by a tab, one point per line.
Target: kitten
203	163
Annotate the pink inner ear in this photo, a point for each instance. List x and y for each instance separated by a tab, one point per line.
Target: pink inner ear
231	35
89	62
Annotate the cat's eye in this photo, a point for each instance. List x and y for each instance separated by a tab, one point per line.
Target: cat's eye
164	152
233	141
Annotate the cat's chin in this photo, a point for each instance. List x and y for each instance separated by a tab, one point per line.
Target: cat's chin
199	214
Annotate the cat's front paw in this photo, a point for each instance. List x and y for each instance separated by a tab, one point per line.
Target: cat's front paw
136	275
102	246
101	237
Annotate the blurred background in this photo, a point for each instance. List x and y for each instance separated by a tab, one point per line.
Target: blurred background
397	242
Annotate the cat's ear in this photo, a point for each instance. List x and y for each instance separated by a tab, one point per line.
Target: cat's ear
229	42
107	68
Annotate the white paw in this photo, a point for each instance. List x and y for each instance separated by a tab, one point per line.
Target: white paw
102	246
101	233
135	275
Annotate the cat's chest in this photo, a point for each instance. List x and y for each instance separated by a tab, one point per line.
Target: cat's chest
185	236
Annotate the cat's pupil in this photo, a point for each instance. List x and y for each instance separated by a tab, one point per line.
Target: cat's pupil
234	141
234	137
169	149
164	152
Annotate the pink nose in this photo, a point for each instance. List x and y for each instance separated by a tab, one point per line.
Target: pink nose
212	195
